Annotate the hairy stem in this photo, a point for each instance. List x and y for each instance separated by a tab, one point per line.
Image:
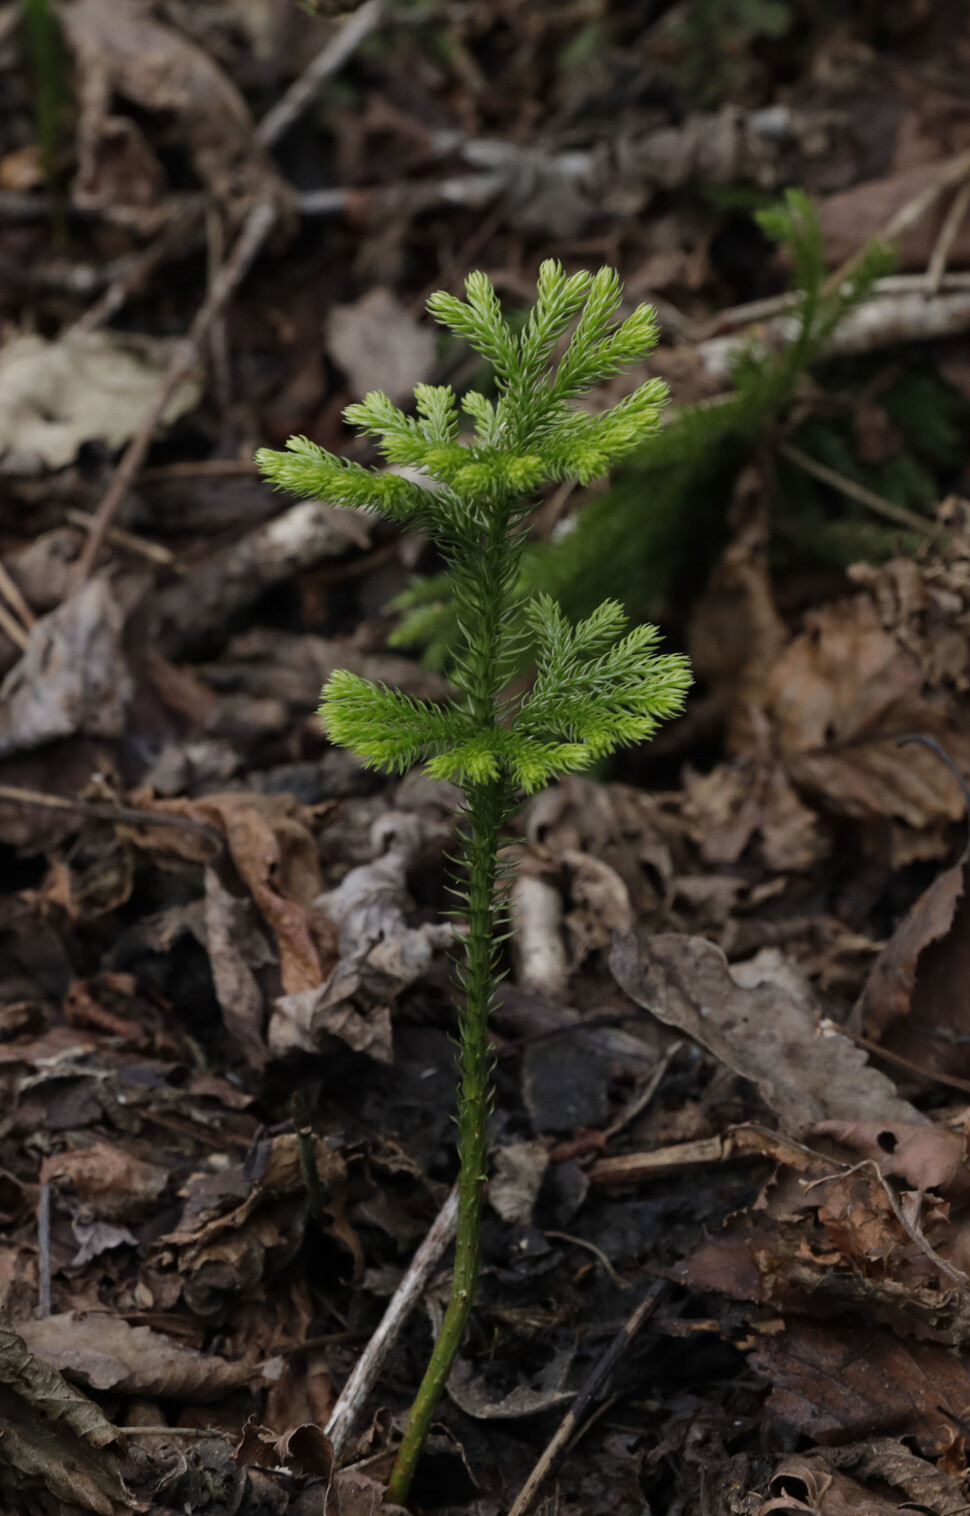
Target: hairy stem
486	807
486	810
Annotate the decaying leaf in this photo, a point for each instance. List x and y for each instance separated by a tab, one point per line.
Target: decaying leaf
72	678
94	387
380	345
53	1436
468	1392
846	688
106	1353
223	1247
767	1033
304	1450
237	948
270	839
121	49
848	1382
105	1181
380	953
515	1185
914	999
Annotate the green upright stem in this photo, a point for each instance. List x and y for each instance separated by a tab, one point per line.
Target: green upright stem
486	808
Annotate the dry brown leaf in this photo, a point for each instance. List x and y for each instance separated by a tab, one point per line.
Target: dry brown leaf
237	948
304	1450
515	1185
886	1460
914	1000
838	698
770	1035
105	1180
72	678
53	1436
121	49
271	841
824	1230
815	1483
852	217
106	1353
471	1395
380	345
380	952
752	801
923	1157
836	1382
228	1255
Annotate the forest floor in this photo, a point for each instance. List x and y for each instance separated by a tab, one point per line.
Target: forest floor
728	1222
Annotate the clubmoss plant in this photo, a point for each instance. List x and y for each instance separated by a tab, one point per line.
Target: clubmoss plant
596	687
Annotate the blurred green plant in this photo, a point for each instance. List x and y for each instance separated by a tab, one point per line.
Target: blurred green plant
663	513
49	69
711	43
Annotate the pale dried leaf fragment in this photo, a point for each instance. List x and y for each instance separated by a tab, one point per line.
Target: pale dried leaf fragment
380	345
106	1353
769	1031
73	677
515	1185
380	952
470	1394
57	395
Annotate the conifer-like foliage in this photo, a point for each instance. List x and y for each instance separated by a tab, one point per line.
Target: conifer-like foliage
597	685
663	516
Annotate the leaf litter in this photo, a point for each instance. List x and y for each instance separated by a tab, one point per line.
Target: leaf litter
732	1049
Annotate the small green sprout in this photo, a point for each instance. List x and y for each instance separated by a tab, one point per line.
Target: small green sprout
597	686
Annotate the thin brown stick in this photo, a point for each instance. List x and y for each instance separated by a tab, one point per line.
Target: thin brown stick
934	1076
590	1247
642	1099
255	229
153	551
44	1251
955	216
201	468
11	593
161	1431
12	627
301	92
587	1394
97	810
172	239
848	487
346	1412
951	173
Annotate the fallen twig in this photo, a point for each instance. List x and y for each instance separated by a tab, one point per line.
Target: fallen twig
936	268
346	1412
100	810
44	1251
590	1389
910	315
848	487
253	234
153	551
951	173
281	117
18	605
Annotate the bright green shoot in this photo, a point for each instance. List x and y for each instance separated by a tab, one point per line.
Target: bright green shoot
597	686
